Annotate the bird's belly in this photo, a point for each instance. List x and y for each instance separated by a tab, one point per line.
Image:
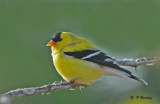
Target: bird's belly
82	72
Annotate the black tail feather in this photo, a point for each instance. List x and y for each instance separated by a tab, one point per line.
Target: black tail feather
138	79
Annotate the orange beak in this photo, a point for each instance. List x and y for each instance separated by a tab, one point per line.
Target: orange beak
51	43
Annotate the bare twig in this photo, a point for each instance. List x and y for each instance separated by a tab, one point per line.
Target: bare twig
24	92
139	61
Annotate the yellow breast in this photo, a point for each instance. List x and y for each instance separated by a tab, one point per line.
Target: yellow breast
82	72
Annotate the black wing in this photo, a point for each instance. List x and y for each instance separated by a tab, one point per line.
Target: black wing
98	57
101	58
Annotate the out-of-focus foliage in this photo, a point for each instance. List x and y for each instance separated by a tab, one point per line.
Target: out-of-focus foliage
123	28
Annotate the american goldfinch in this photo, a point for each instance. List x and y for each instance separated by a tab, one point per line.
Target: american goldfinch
79	61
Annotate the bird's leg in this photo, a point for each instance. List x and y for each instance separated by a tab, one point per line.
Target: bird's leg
75	85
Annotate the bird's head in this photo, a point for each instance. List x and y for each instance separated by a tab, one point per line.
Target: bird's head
60	39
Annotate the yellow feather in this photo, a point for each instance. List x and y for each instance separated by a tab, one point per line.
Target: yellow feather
82	72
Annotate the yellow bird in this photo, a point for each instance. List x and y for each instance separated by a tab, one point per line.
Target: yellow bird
79	61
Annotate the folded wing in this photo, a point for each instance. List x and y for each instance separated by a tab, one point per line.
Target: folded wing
96	56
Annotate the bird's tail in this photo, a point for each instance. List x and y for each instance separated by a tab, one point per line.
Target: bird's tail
124	73
138	79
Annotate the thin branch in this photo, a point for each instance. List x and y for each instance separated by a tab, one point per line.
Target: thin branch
24	92
139	61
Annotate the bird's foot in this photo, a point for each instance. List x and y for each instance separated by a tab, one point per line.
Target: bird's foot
81	86
74	83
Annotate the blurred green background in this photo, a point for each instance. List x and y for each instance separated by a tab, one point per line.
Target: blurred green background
122	28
